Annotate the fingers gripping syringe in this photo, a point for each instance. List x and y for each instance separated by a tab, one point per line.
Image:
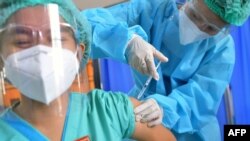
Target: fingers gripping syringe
145	86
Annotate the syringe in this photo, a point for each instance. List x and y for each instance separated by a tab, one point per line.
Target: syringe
145	86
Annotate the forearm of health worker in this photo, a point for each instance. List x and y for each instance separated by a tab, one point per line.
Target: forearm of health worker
191	108
114	39
110	36
148	14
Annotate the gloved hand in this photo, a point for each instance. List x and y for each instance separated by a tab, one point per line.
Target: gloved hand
140	55
149	111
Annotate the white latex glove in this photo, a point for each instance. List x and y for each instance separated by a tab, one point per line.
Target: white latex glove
140	55
149	111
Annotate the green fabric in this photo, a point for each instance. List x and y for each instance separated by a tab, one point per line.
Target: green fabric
234	12
67	9
7	133
104	116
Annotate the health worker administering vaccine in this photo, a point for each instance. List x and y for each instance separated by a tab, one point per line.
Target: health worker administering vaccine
195	38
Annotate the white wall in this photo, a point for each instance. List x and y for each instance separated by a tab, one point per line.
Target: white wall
82	4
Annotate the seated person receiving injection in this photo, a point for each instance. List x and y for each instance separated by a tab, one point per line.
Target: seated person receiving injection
43	43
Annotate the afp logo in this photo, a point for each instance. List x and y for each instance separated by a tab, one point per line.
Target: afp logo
236	132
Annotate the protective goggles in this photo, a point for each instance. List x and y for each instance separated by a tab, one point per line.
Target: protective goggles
23	36
194	13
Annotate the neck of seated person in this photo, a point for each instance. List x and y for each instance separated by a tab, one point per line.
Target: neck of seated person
48	119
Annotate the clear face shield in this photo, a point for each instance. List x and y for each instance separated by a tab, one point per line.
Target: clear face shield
40	61
195	26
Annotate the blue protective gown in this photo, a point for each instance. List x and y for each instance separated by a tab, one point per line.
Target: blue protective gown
103	116
192	83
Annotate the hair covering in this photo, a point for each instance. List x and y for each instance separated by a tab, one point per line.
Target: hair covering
67	10
235	12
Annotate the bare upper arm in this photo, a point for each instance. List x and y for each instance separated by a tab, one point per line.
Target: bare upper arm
144	133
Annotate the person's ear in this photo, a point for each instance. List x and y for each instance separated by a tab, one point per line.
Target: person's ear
81	49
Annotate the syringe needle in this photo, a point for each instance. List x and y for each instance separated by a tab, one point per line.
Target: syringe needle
147	83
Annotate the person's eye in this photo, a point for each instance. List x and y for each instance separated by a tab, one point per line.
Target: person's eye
194	16
211	30
197	17
22	42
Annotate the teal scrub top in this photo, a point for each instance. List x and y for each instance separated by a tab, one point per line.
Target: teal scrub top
103	116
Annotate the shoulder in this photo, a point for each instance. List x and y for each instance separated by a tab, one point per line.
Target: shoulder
152	5
102	97
117	102
106	96
116	107
165	5
221	45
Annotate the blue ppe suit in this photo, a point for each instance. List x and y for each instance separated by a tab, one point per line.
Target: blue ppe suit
192	83
103	116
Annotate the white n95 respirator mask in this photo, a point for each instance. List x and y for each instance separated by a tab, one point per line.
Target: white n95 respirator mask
42	73
189	32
